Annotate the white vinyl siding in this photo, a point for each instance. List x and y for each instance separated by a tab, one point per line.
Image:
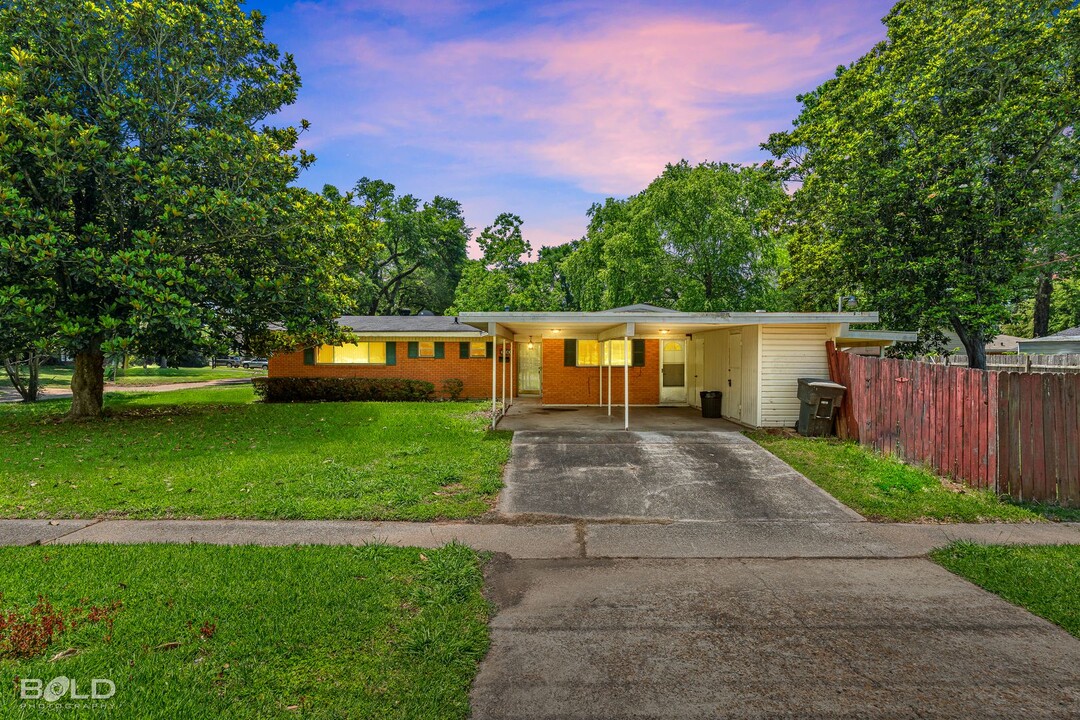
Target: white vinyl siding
789	352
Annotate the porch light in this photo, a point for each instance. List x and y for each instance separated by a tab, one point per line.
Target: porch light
530	342
663	332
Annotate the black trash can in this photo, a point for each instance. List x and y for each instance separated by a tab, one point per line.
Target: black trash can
819	399
711	403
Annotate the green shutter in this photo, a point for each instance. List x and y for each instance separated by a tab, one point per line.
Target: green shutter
463	350
488	351
440	350
309	356
414	349
569	353
638	356
391	353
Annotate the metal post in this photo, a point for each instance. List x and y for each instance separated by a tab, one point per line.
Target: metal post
503	373
494	387
513	376
626	383
600	366
609	383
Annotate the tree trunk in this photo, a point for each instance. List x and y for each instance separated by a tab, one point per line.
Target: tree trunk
28	387
1041	319
88	384
974	345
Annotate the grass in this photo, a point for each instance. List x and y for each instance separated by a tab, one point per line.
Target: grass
1043	579
884	488
213	453
56	377
248	632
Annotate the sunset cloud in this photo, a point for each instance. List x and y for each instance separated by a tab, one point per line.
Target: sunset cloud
569	93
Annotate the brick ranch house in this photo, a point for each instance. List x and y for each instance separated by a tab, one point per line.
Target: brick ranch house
634	355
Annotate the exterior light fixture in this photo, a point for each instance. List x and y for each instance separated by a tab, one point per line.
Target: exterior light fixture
663	332
530	342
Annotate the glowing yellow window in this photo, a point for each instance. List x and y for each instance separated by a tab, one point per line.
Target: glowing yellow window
352	354
588	353
477	349
426	349
325	354
614	353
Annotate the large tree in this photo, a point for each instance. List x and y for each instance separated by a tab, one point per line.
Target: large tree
420	254
146	206
929	166
700	238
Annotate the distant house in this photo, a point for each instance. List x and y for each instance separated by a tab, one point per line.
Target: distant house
998	345
633	355
1066	341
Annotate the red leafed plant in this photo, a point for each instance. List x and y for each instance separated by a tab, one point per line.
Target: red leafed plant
25	635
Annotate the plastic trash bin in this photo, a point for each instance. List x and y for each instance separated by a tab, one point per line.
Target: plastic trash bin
819	399
711	403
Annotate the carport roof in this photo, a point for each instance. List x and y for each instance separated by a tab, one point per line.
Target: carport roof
646	319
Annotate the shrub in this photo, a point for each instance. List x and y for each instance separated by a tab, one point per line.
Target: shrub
292	389
452	388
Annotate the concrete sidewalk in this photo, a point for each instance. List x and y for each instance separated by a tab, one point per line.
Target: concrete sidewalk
568	539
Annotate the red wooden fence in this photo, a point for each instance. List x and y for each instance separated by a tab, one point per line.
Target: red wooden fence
1014	433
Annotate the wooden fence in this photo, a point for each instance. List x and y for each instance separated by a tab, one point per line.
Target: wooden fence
1065	362
1011	432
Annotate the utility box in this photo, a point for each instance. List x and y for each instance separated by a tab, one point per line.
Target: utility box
819	400
712	403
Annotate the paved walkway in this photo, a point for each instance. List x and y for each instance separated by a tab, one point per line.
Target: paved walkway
9	394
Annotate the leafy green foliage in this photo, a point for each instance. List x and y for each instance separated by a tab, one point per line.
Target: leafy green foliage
210	632
1043	579
213	453
145	209
699	238
312	389
421	249
929	166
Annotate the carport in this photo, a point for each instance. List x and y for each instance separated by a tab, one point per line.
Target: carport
646	356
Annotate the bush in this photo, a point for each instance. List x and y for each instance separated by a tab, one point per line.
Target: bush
452	388
292	389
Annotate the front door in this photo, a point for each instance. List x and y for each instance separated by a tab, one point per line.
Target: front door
673	371
528	361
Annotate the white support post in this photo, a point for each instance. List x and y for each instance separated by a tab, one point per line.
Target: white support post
513	376
600	363
503	373
626	383
494	387
609	383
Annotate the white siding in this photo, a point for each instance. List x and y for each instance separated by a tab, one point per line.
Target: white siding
713	375
789	352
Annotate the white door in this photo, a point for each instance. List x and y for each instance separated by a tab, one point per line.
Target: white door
733	392
673	371
528	362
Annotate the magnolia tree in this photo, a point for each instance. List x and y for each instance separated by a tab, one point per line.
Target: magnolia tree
146	206
934	168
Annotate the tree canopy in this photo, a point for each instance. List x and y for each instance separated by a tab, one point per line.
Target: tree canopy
929	166
145	203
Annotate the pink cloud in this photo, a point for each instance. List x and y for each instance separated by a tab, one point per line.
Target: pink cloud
604	107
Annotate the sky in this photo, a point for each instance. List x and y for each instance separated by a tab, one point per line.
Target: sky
542	109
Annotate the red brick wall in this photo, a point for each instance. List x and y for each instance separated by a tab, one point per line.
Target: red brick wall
474	372
581	385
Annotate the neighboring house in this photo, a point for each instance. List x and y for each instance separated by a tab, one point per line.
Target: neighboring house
998	345
1066	341
634	355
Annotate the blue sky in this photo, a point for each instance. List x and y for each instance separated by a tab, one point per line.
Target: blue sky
542	109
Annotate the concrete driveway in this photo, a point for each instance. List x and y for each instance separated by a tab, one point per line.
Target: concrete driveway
757	638
712	475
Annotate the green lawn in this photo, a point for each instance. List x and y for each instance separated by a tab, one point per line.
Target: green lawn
214	453
247	632
884	488
59	378
1042	579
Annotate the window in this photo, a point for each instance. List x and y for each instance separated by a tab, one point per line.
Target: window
478	349
615	353
365	353
426	349
588	353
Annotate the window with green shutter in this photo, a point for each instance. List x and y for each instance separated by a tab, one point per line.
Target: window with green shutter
569	353
391	353
637	348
